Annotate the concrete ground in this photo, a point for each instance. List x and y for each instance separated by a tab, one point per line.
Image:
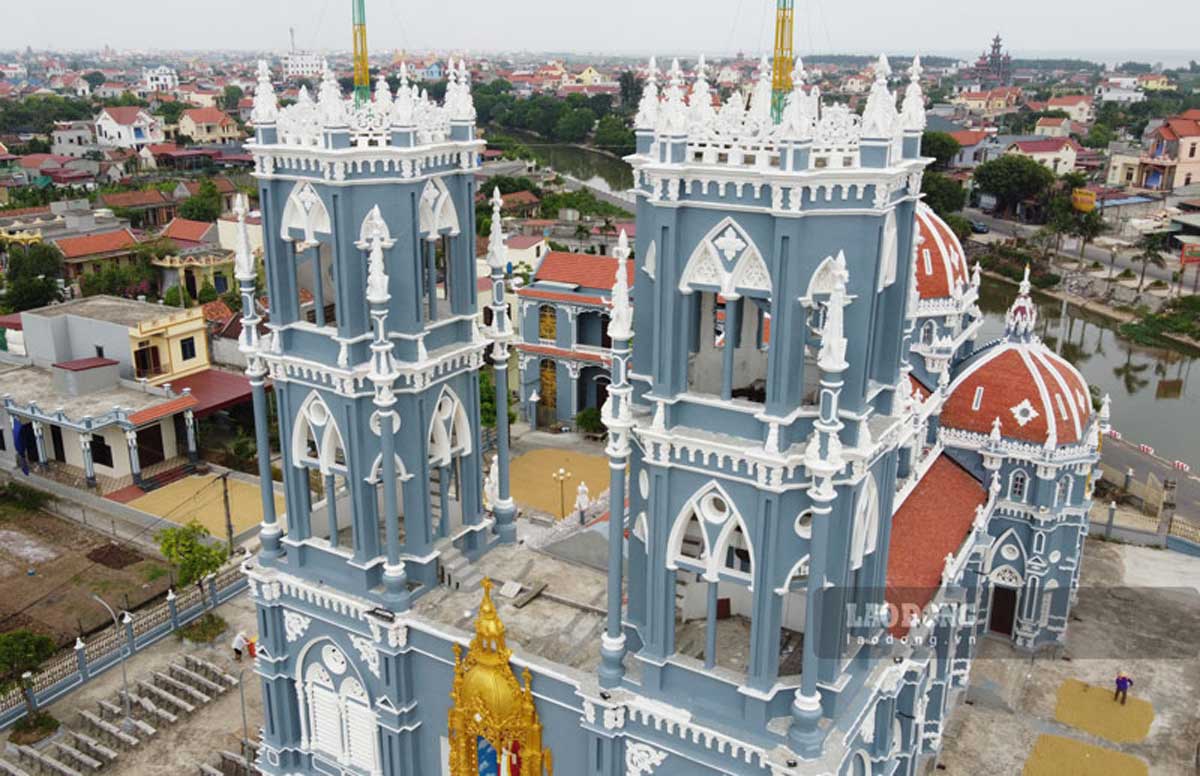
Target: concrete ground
199	497
180	748
1138	611
534	487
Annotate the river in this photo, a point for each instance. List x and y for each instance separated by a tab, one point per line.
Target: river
1154	400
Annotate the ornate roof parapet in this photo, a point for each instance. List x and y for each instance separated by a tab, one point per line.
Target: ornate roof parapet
266	105
912	113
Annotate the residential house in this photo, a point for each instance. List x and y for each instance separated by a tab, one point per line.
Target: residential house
190	234
521	203
148	208
526	249
195	266
1055	153
1155	82
225	188
196	95
858	83
159	79
59	170
1123	161
209	125
127	127
1110	91
93	252
563	352
302	64
1171	159
589	76
1053	127
111	90
1078	106
110	390
73	138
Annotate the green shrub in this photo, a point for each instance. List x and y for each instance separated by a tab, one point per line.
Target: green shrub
207	293
25	497
205	630
1126	274
176	296
33	728
588	421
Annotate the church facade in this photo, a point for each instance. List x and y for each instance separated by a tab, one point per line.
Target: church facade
812	516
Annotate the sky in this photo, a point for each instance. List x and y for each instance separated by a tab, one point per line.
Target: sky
1107	29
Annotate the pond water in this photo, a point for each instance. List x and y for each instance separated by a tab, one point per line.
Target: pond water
1154	400
598	170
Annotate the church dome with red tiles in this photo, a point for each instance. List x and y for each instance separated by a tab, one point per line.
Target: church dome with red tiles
1020	389
941	263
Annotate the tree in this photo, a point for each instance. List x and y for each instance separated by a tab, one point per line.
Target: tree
176	296
612	135
941	146
95	79
207	293
22	651
205	205
487	400
170	112
630	88
32	276
1012	179
1150	249
574	125
185	548
232	96
1088	226
943	194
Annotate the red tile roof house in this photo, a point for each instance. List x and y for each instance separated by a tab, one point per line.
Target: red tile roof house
149	208
190	234
563	336
225	188
91	253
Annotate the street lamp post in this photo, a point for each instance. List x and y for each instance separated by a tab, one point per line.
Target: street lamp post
125	697
245	728
561	476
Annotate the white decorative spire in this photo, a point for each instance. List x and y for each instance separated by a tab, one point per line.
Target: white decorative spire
329	99
976	275
1021	319
497	255
799	114
880	116
700	108
832	357
647	112
995	435
1106	408
383	94
402	106
760	100
620	324
243	258
912	115
266	105
672	113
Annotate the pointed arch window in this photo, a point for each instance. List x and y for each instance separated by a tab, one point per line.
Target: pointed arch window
1062	492
1018	483
337	714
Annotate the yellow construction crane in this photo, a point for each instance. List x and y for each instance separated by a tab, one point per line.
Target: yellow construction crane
362	68
781	70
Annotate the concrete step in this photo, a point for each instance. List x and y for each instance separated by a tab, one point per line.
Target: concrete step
211	670
162	696
8	769
91	746
180	689
78	758
195	680
104	727
45	762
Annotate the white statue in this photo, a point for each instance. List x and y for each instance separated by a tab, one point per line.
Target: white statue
491	484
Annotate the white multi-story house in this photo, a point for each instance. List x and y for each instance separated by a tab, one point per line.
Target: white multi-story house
302	64
160	79
73	138
127	127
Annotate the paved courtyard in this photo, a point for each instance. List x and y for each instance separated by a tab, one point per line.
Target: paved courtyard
1139	611
534	487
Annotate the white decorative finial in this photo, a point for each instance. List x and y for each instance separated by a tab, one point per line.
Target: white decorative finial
880	116
995	435
700	107
497	250
266	105
647	113
383	92
1106	408
1025	286
620	324
913	111
243	258
329	99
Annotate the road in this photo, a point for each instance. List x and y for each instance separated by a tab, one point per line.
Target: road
1091	253
1123	455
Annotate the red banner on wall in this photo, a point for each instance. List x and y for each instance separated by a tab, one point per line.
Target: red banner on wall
1190	254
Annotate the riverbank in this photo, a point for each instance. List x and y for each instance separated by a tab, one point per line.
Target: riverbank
1104	310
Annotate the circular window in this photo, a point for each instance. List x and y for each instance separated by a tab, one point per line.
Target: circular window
1009	552
715	508
335	661
1055	556
375	422
644	483
318	413
804	524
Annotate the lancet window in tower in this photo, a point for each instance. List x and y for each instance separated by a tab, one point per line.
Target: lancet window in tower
438	223
449	442
317	448
730	290
305	221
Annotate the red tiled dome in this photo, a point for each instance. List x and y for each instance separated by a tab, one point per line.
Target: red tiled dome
1036	394
941	265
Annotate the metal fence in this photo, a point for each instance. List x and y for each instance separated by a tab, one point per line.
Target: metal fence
103	650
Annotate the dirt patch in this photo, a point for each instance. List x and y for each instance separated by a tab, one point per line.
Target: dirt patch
27	548
115	556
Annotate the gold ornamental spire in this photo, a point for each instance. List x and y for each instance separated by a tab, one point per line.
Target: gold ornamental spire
489	704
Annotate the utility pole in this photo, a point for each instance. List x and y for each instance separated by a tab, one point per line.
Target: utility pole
292	30
228	514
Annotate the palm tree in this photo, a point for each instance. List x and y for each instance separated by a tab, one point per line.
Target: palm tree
1131	374
1087	228
1151	246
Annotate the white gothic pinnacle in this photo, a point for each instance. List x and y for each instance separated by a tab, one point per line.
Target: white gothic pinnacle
912	114
880	118
647	112
243	258
620	324
266	105
497	251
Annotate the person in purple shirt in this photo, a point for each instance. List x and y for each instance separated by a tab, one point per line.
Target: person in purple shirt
1123	685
